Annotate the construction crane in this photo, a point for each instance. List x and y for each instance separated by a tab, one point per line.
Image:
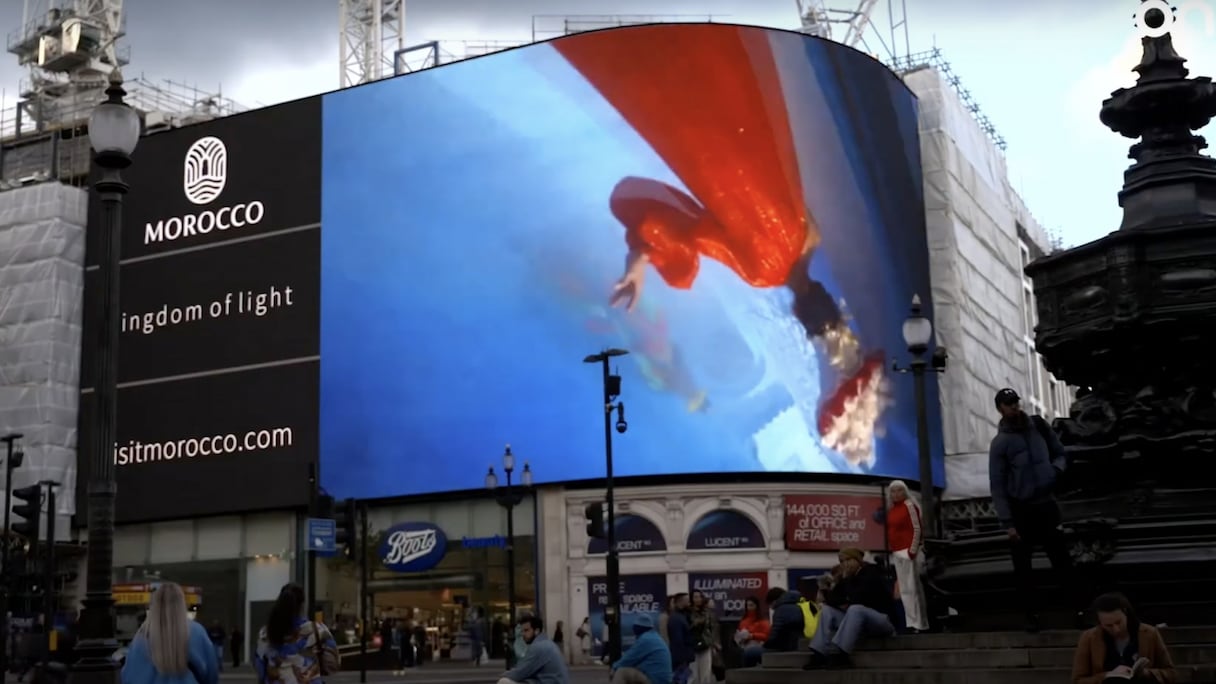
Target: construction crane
69	47
852	25
371	33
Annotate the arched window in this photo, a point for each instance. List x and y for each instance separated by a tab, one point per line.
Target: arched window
725	528
634	534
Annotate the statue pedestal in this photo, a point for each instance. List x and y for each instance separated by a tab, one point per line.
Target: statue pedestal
1157	545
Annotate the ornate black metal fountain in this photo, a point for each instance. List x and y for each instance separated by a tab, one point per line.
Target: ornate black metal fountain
1131	319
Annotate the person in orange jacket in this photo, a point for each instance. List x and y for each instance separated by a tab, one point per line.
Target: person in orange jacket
753	628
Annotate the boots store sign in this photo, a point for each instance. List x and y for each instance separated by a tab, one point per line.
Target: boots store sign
219	339
413	547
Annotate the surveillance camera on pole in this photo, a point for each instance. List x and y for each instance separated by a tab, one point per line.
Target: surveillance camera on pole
612	390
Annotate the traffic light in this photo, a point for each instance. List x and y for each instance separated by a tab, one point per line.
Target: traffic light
325	507
346	524
596	528
28	514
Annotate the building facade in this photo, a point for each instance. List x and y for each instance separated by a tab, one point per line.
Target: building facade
729	542
981	236
436	565
238	564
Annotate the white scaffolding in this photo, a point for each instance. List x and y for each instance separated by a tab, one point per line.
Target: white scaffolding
69	48
370	35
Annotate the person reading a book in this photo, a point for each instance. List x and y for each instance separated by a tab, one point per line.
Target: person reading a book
1121	647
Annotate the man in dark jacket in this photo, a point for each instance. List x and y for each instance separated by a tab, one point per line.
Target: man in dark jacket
680	639
1024	462
787	623
858	606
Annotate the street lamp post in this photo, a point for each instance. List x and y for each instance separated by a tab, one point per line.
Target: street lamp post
509	496
114	129
918	333
612	390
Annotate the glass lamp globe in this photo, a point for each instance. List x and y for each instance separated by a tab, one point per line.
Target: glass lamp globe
526	476
114	127
918	330
491	480
508	460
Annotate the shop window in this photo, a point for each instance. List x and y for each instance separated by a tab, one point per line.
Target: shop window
469	584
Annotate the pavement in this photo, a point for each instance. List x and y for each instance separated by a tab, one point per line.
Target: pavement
432	673
435	673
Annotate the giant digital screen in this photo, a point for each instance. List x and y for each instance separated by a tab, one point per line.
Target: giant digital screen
387	284
739	208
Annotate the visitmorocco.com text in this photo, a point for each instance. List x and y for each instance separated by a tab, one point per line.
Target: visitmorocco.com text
135	453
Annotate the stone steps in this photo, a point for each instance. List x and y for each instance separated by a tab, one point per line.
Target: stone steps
760	675
967	658
1056	638
1049	657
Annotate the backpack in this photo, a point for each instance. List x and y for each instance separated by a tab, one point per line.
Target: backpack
810	617
1048	436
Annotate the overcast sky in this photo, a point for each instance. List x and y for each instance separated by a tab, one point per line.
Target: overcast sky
1038	68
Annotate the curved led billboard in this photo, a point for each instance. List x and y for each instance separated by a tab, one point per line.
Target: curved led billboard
392	281
739	208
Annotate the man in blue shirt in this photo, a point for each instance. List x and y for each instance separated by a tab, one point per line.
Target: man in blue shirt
542	663
648	660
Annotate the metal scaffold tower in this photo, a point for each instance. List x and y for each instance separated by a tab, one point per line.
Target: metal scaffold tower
371	33
69	47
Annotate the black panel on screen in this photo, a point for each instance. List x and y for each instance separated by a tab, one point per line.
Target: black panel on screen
215	210
259	172
263	421
198	310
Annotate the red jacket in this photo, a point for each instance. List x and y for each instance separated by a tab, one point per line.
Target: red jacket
903	528
755	625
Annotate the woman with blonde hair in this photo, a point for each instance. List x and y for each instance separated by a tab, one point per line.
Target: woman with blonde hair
169	647
905	539
293	649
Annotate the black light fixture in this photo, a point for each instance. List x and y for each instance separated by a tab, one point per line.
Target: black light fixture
918	333
509	496
114	130
612	392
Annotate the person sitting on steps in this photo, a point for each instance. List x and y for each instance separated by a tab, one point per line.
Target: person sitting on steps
785	628
1121	647
858	606
647	661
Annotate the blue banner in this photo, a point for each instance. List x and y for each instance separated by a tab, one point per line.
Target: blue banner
640	595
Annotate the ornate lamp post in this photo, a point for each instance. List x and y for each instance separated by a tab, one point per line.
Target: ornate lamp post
114	130
509	496
918	333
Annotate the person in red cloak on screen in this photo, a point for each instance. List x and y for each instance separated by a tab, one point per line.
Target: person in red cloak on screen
708	100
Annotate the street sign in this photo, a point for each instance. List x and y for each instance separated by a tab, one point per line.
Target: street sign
321	535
